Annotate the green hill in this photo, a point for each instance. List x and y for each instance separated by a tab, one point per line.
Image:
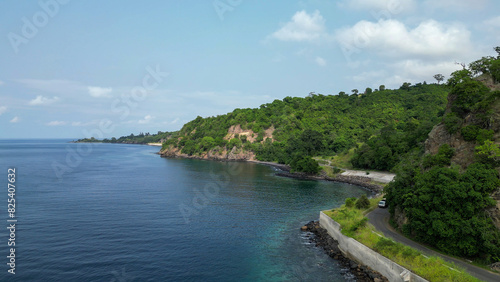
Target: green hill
448	194
292	130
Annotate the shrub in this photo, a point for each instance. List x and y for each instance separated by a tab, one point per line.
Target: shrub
470	132
452	122
483	135
385	244
243	138
466	95
475	133
442	158
349	202
363	203
358	224
337	170
305	164
234	142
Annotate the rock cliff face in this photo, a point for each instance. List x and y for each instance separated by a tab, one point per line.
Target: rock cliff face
223	154
215	154
465	150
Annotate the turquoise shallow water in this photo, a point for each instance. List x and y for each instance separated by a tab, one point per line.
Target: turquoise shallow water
112	212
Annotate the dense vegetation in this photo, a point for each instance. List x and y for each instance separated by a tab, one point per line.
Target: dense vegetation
391	122
351	217
141	138
445	203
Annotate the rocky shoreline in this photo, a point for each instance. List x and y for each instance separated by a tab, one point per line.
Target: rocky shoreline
322	239
364	182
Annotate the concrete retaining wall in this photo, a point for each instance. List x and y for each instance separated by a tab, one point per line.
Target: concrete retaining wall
362	254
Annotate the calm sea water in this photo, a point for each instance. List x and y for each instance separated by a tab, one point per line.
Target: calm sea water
112	212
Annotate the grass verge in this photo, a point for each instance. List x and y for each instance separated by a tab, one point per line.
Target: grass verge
354	224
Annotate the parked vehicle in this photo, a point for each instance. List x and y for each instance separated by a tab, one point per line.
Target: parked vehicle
383	203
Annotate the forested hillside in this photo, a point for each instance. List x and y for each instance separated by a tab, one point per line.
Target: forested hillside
290	131
446	197
141	138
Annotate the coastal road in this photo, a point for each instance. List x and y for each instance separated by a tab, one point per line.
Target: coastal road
380	219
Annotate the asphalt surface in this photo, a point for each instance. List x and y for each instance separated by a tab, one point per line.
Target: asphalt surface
380	219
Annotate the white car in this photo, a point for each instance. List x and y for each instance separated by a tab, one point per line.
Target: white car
382	204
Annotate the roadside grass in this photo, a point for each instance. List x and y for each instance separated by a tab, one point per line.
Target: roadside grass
354	224
343	159
340	160
330	171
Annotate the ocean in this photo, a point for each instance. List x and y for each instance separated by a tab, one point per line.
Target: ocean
118	212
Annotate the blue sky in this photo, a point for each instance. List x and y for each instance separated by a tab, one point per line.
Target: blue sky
111	68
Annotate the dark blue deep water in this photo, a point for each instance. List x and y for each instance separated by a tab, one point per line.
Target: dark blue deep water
112	212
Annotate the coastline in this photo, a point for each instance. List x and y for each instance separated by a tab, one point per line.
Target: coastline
362	181
154	144
128	143
285	170
354	179
282	167
322	239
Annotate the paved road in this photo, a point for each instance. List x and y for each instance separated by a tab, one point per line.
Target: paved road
379	176
380	219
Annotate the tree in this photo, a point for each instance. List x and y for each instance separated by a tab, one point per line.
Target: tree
495	70
381	88
363	202
439	77
207	143
355	91
305	164
405	86
459	76
368	90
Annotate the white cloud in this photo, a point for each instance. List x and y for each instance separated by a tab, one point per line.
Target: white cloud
390	6
56	123
278	58
97	92
392	75
40	100
493	22
368	76
492	26
15	120
453	5
424	70
62	87
176	120
391	38
146	119
320	61
79	123
302	27
3	109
